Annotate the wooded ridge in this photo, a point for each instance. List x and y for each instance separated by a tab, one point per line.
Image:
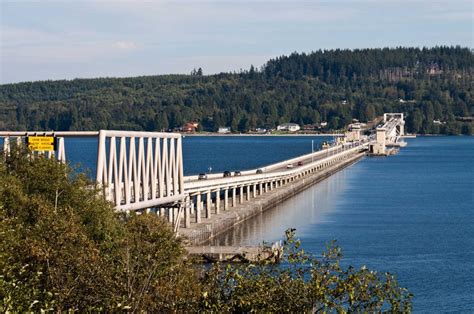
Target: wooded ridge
433	86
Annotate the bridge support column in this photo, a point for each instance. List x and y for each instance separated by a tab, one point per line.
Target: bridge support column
226	199
175	215
254	192
260	190
198	208
241	194
234	196
248	193
218	201
187	212
208	204
270	185
401	127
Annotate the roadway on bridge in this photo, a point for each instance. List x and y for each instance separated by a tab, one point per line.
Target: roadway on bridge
283	167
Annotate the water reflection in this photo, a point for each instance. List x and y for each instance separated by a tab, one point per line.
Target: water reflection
310	207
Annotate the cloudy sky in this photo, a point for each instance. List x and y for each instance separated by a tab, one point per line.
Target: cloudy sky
43	39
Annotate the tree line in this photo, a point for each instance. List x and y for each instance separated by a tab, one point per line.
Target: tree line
433	86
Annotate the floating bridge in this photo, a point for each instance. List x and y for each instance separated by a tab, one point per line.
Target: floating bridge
143	171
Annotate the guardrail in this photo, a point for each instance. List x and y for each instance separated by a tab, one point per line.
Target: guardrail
18	137
250	176
271	167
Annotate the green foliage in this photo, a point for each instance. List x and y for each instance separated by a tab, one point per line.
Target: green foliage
62	247
333	86
303	284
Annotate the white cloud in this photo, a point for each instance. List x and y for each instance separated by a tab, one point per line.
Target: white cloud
126	45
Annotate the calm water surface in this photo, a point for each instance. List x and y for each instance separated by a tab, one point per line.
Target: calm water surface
411	214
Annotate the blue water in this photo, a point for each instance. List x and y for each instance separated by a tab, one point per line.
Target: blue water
243	152
411	214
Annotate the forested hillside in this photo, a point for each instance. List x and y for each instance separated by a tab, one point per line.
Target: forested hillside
429	85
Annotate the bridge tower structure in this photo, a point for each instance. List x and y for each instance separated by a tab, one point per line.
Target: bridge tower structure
379	147
389	134
399	129
140	170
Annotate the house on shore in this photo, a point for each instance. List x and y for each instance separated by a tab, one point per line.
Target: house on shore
224	130
190	127
290	127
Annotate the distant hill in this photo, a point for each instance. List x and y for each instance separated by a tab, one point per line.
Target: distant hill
429	84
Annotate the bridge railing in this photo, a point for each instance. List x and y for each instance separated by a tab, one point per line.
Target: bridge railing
316	154
223	182
59	153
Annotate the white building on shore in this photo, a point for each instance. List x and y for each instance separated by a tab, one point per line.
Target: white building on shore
290	127
223	130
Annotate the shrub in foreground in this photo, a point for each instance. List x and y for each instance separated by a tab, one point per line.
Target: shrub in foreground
302	284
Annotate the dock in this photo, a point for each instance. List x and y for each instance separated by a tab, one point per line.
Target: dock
235	254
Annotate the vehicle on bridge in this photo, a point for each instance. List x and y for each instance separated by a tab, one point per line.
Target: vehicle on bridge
227	174
237	173
289	166
300	163
259	171
202	176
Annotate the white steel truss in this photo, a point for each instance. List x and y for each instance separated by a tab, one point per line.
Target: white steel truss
140	170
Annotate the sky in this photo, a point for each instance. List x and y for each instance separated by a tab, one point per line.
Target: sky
50	40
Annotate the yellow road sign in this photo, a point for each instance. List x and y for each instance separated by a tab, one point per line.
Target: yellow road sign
41	143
